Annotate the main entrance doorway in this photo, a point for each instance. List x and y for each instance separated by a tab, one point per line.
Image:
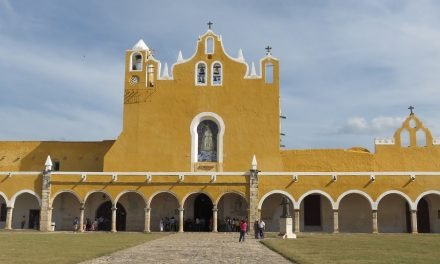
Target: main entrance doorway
104	217
198	213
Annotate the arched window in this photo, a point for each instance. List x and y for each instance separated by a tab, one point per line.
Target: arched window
201	73
421	138
207	132
269	72
209	45
136	62
405	138
217	73
150	75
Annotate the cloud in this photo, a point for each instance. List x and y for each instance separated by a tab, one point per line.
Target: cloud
377	125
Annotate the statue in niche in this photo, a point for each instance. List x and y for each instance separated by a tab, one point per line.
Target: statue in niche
207	142
207	131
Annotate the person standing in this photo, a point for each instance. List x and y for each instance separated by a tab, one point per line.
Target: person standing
75	224
257	229
262	227
23	222
243	228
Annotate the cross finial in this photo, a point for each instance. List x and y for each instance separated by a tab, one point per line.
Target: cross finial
411	108
268	48
210	25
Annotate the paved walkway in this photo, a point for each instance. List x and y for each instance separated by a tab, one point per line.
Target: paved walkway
195	248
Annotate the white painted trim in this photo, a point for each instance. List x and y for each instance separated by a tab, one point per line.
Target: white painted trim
212	74
3	195
194	136
364	194
242	195
130	191
149	200
98	191
196	73
20	172
292	200
191	193
64	191
330	199
416	203
12	203
406	197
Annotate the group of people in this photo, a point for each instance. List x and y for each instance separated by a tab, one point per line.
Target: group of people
168	224
88	225
259	227
232	224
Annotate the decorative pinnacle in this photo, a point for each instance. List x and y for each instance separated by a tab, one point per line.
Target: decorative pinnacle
210	25
411	108
48	164
254	163
268	48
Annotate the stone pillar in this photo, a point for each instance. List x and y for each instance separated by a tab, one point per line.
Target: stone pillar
414	221
335	221
8	224
114	219
375	226
253	213
181	220
296	220
81	218
214	218
45	211
147	220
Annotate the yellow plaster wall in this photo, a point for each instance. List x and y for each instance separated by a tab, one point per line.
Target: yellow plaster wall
18	182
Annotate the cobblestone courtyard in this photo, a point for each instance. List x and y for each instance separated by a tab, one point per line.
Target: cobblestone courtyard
195	248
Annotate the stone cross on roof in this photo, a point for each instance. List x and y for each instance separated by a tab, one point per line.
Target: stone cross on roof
411	108
210	25
268	48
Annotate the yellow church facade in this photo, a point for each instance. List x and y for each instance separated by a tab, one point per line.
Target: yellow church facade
200	147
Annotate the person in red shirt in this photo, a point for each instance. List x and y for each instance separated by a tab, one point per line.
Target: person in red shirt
243	228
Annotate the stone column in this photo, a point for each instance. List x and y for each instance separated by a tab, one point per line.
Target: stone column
375	226
414	221
147	220
8	224
45	211
81	218
253	213
214	218
296	220
181	220
335	221
114	219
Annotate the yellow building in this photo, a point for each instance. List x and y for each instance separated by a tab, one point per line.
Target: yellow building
200	147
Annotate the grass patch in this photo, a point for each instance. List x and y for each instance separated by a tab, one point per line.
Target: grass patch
359	248
38	247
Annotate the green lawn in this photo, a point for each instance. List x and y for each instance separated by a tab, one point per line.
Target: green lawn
37	247
359	248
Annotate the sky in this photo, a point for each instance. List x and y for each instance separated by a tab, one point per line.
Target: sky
349	69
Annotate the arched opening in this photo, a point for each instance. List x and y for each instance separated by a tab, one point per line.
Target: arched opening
136	62
207	132
104	216
209	45
201	73
164	213
354	214
150	75
421	138
134	204
393	214
405	138
66	207
316	214
3	212
26	213
428	214
271	211
198	213
92	203
217	73
231	206
268	73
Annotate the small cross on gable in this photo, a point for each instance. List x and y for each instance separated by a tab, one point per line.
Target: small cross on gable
411	108
210	25
268	48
